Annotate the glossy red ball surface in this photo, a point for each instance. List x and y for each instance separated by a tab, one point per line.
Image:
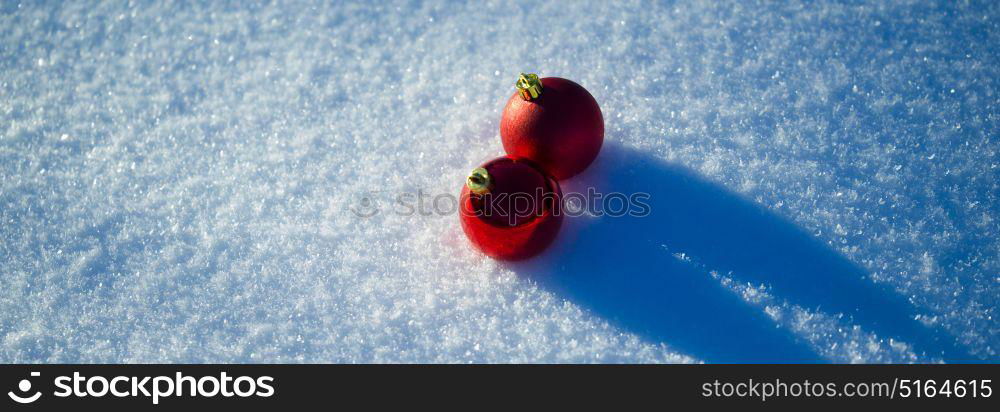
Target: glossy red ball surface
561	130
519	216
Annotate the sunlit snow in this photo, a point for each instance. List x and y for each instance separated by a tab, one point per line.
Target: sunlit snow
179	183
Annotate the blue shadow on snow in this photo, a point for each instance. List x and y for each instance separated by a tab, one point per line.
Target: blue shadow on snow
623	269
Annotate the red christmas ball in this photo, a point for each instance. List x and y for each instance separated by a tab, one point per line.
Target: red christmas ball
553	122
510	208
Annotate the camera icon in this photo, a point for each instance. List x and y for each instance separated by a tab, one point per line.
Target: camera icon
24	386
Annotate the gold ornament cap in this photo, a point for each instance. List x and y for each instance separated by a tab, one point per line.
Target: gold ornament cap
479	181
528	86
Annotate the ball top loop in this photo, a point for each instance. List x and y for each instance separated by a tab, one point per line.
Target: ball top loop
479	181
528	86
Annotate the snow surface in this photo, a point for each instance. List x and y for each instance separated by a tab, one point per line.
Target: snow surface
176	182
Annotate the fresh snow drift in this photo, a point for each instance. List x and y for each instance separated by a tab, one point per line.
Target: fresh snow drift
179	183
